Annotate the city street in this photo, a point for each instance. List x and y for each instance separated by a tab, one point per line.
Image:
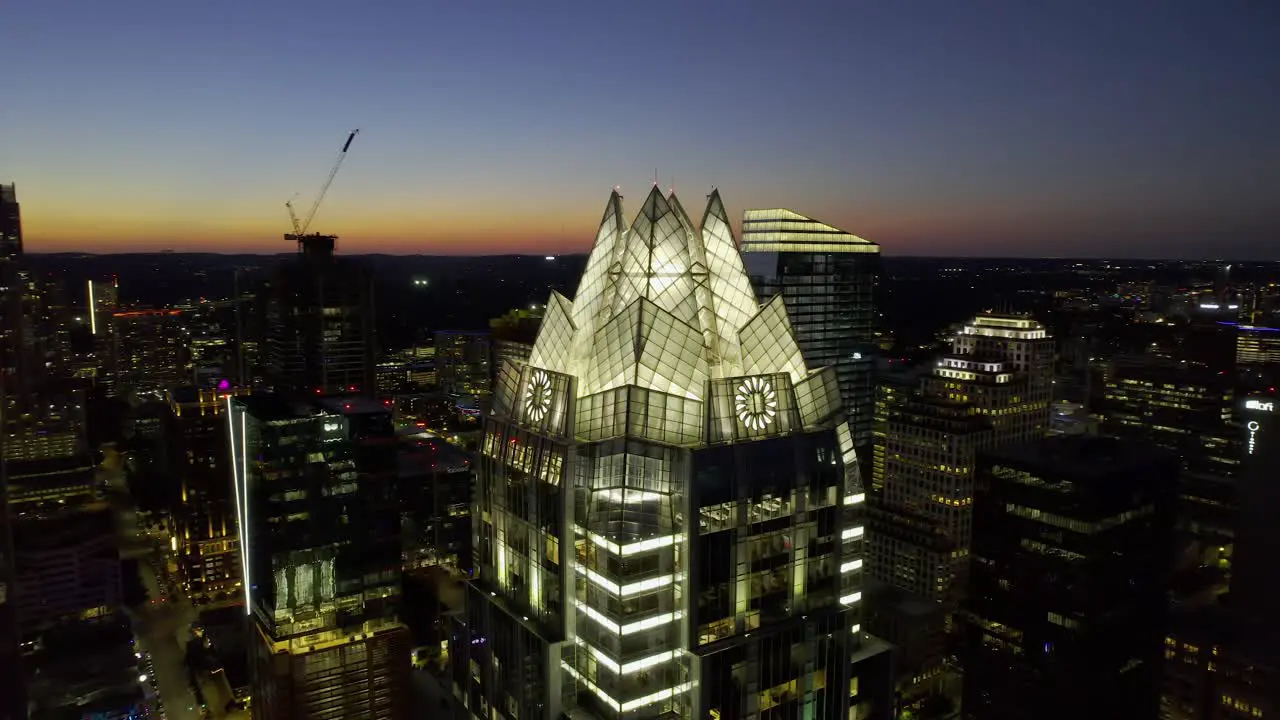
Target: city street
162	624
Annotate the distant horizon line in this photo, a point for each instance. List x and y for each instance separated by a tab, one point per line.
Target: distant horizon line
74	253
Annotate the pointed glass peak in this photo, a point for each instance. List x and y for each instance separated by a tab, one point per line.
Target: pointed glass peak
695	293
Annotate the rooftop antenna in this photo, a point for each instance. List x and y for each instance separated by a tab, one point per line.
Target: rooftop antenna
655	177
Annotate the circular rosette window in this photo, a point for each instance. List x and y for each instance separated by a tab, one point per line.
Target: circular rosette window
537	396
756	403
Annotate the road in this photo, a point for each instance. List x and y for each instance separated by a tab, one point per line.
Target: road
161	626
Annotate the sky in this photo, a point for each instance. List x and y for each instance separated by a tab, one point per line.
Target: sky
1139	128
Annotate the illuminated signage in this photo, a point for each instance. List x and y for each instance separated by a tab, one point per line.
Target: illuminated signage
1253	434
1259	405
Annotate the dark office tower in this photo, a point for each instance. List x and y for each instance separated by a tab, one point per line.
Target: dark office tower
1066	609
313	482
1220	661
1255	588
827	278
10	224
513	334
464	367
1189	411
319	326
668	510
203	511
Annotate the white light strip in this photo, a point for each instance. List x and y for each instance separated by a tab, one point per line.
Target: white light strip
851	533
855	499
629	496
851	598
599	617
592	687
630	704
629	589
637	626
851	565
632	548
93	312
242	501
632	667
655	697
651	622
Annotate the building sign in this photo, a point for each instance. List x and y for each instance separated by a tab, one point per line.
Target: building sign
1253	434
1259	405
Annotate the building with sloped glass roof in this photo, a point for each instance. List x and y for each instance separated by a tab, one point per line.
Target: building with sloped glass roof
827	277
668	513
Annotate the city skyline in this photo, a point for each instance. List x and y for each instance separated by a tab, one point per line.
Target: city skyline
1011	130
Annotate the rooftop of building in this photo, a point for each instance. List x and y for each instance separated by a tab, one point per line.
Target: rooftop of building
352	405
421	456
55	530
271	406
1080	457
779	229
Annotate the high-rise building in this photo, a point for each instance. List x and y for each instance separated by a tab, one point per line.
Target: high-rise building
10	223
318	322
67	567
513	335
464	367
993	389
1071	553
1257	345
203	510
150	351
1220	661
827	278
668	510
102	298
1188	411
319	524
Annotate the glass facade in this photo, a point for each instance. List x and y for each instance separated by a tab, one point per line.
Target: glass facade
668	511
319	532
827	277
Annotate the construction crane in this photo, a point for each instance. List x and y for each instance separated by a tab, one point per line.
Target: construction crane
300	226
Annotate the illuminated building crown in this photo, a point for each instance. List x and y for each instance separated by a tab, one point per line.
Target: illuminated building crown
666	306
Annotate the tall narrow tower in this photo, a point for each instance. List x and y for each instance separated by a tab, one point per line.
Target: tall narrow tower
668	512
827	279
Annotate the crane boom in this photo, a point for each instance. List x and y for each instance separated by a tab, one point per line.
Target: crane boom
300	227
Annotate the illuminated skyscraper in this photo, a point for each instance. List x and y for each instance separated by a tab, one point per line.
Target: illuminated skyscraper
319	532
992	390
668	511
827	278
12	702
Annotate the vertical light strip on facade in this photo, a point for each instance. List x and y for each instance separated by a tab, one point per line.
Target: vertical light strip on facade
239	475
93	311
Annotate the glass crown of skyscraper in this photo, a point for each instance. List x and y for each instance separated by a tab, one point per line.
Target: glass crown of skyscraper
666	306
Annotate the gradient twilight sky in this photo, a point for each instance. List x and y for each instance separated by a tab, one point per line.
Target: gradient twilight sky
959	127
